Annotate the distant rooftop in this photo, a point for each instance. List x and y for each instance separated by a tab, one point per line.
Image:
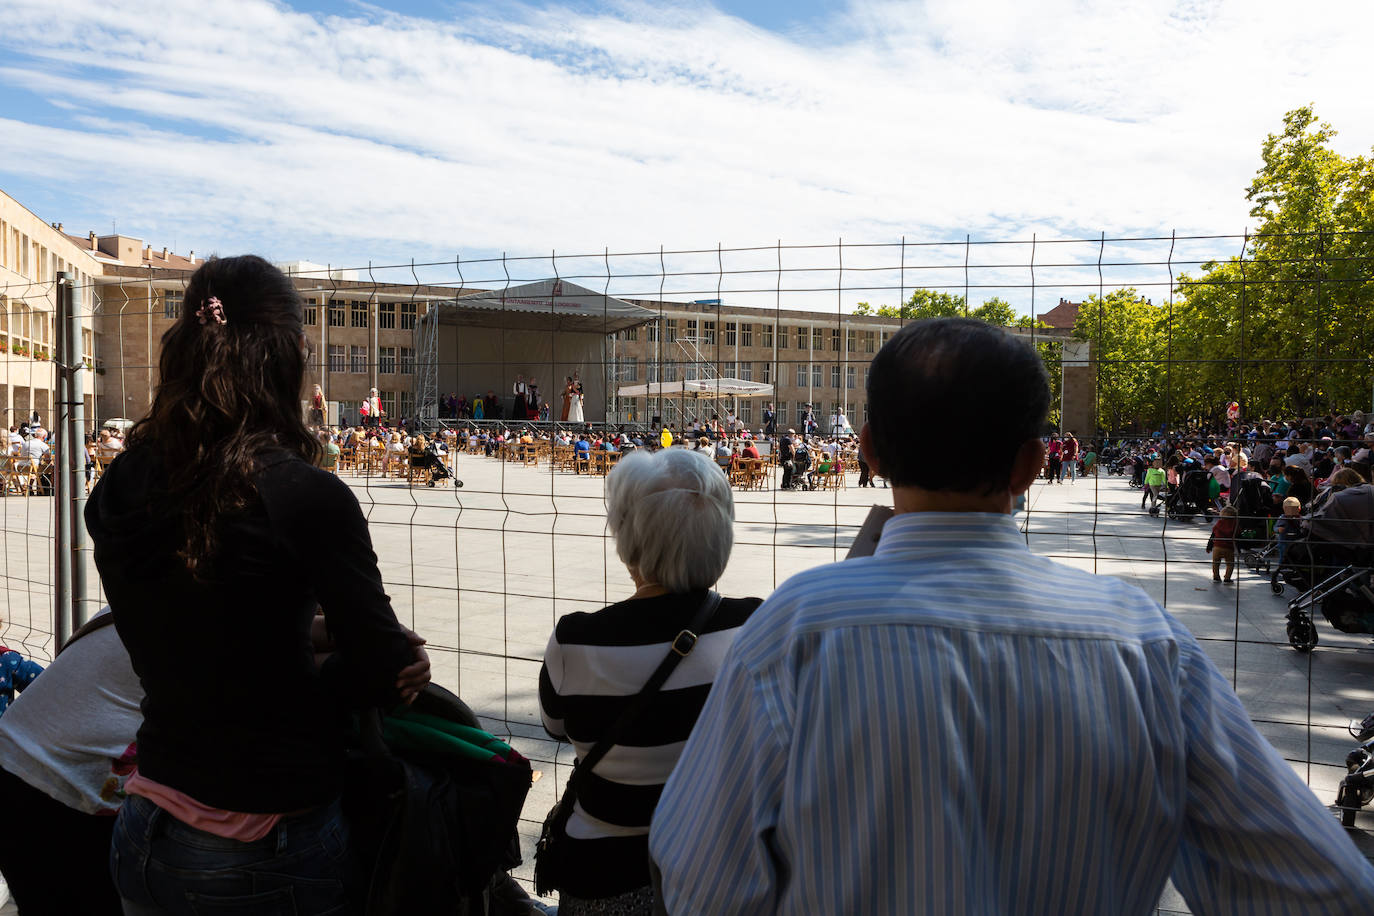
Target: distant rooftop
131	252
1063	316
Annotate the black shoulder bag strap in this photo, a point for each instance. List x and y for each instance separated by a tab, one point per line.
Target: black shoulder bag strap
682	646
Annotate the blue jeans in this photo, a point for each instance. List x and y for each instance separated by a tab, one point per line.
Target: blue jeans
163	866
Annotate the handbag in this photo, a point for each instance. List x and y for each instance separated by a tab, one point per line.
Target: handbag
432	803
552	837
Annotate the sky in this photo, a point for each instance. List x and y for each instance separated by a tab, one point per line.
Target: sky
434	131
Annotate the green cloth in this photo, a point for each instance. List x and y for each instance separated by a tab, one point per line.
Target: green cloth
1155	477
405	729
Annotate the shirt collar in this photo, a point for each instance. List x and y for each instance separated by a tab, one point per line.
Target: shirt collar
940	530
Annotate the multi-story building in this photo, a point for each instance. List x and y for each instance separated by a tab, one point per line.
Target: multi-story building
32	254
810	358
361	334
819	359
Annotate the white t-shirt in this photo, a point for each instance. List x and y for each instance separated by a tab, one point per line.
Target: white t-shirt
34	449
70	734
1301	459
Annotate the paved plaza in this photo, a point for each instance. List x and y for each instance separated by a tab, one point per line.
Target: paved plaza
484	571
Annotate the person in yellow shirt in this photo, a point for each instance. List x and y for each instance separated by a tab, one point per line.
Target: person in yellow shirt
665	438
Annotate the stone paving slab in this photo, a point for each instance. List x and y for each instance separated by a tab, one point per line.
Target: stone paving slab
484	572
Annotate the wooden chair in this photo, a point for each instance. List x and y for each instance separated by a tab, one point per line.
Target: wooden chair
832	479
739	472
9	476
39	473
347	460
529	454
412	473
583	465
763	474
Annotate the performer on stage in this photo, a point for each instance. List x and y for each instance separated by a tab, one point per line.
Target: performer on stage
569	392
517	401
575	414
532	399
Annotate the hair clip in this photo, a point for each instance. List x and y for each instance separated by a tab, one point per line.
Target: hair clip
212	308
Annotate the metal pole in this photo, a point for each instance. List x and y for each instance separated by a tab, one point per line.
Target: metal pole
74	455
62	581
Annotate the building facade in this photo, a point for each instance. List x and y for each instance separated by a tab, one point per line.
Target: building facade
812	359
32	254
360	335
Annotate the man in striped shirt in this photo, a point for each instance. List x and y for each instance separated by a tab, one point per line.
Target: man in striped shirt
954	725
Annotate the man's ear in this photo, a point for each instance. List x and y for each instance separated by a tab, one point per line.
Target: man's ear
1030	461
870	454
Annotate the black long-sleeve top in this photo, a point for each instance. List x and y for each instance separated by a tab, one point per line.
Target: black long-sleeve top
237	715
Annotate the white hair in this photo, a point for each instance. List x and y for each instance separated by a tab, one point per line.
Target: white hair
673	517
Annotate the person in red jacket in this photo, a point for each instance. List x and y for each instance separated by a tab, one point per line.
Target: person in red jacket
1222	543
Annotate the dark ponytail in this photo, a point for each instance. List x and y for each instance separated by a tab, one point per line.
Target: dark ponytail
229	392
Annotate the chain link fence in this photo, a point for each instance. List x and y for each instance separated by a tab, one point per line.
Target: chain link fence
1183	336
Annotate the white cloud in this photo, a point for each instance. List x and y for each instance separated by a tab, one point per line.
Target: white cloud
249	125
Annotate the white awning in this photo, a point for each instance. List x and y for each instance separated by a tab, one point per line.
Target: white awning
697	388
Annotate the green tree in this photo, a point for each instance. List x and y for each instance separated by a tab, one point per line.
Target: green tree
1127	332
924	303
928	303
995	311
1286	328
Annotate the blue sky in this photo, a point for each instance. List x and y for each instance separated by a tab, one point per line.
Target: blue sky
348	132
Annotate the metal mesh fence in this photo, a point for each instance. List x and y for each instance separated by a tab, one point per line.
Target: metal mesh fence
1142	337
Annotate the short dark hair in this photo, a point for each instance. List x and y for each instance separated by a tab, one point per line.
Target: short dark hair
944	373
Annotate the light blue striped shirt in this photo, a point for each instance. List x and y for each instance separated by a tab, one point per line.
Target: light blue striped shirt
955	725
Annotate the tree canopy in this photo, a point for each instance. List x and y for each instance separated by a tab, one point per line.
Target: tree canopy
1286	327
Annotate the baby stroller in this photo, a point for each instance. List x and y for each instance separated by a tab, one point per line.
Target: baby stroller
1190	497
1357	788
1332	569
1137	465
801	470
1254	502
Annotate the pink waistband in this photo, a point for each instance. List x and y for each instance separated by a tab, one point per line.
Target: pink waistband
232	825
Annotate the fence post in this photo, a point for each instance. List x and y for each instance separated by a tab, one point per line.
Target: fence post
74	458
62	530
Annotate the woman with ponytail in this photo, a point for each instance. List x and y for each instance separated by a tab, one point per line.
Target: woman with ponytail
217	539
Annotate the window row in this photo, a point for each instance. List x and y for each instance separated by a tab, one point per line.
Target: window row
703	333
390	360
355	313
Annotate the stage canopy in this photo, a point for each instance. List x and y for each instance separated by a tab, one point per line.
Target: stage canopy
547	330
722	388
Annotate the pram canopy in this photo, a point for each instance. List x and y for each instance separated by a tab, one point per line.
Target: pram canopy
1346	519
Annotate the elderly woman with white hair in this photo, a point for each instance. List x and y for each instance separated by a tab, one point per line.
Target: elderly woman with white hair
672	515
